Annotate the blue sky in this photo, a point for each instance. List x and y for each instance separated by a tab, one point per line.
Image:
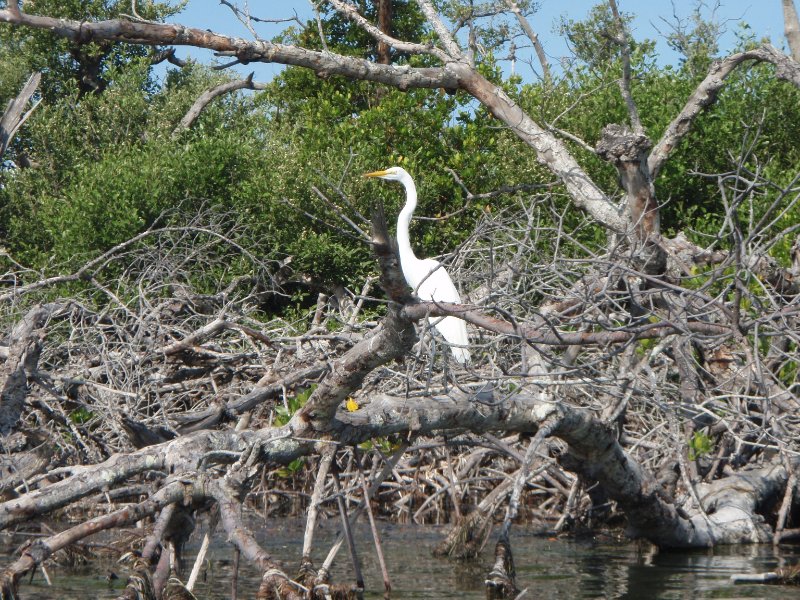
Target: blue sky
764	18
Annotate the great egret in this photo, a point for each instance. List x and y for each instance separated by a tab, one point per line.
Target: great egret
426	276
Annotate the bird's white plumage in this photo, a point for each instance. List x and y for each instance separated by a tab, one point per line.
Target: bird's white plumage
429	280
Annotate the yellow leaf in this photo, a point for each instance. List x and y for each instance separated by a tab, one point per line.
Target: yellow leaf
351	405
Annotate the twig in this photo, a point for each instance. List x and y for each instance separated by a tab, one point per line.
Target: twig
348	534
537	44
328	454
387	585
235	575
389	465
621	39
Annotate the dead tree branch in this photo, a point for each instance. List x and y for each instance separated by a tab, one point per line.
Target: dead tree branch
791	28
537	44
15	114
209	96
706	94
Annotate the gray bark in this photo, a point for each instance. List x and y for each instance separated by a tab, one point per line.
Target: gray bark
594	452
791	28
208	97
22	361
15	114
706	93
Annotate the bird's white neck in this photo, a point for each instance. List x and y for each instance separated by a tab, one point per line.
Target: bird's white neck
404	220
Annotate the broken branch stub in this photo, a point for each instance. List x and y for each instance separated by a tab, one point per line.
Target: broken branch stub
628	152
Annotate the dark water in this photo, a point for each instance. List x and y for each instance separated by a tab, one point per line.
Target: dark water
548	568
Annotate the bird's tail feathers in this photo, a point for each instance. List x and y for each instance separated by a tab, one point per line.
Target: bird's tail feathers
461	355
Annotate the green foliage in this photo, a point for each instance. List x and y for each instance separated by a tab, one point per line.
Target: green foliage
644	346
294	403
108	168
108	163
80	416
69	66
747	123
386	445
695	39
700	445
407	24
370	127
292	469
592	40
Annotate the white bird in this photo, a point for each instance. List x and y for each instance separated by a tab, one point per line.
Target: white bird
427	277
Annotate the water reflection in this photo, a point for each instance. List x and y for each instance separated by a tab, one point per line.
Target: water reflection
548	568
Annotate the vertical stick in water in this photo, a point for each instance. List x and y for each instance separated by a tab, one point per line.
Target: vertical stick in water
351	546
387	585
235	575
198	563
316	498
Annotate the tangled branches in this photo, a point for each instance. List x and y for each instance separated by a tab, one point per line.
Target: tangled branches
159	389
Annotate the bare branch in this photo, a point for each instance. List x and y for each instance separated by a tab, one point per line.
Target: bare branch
86	271
541	335
41	550
571	137
791	28
627	151
706	94
85	481
537	44
445	37
168	54
621	39
209	95
351	13
550	150
158	34
390	341
24	350
13	8
14	116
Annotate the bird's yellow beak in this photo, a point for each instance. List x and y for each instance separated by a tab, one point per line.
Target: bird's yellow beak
376	174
